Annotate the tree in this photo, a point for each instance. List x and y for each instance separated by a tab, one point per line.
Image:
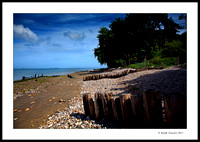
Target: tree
102	51
176	48
132	39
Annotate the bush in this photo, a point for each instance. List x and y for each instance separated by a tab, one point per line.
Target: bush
170	61
156	61
140	65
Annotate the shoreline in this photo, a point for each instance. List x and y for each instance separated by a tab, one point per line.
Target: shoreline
34	101
59	73
54	75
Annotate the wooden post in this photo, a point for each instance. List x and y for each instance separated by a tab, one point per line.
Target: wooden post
91	106
152	108
138	111
115	117
117	112
98	106
86	104
176	110
126	108
104	103
23	78
107	106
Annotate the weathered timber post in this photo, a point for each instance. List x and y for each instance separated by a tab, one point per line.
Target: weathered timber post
23	78
86	104
98	106
152	109
100	76
107	106
104	102
91	106
126	108
115	117
176	110
117	112
138	111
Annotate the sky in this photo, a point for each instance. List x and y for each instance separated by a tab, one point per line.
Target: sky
59	40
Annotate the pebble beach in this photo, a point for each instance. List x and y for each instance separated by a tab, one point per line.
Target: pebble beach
172	79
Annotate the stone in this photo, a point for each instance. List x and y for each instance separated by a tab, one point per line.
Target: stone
61	100
27	109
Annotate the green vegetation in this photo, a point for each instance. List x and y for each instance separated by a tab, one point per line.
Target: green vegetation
141	40
155	62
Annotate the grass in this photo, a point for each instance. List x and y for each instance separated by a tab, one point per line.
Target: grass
155	62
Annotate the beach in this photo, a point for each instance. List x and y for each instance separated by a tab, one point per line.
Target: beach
57	102
35	100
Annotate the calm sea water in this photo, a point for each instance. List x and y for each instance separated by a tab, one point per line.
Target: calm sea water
19	73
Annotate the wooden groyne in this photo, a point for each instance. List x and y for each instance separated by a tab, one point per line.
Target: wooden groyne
148	110
113	74
116	73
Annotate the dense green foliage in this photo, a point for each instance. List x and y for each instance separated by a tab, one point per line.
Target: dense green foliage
140	37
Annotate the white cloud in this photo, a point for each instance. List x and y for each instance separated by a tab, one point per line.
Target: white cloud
25	33
74	36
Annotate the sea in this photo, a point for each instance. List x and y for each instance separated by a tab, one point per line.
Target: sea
19	73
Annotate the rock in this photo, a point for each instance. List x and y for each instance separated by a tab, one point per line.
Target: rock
69	76
19	111
27	109
32	102
61	100
15	110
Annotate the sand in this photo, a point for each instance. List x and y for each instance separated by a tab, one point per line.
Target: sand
35	101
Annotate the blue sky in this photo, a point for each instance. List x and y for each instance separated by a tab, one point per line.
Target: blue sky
59	40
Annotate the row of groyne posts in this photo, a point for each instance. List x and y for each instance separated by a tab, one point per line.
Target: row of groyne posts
25	78
148	110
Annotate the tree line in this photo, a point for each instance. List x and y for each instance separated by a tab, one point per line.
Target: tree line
140	37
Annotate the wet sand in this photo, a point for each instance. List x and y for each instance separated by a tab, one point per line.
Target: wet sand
35	100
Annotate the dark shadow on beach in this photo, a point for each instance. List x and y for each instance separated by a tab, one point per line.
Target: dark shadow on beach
166	81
